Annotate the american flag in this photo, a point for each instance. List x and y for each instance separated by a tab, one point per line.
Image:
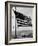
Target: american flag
22	20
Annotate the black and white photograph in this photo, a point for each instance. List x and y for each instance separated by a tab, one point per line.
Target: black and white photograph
20	22
23	19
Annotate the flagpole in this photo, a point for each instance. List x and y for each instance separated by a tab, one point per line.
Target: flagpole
15	25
